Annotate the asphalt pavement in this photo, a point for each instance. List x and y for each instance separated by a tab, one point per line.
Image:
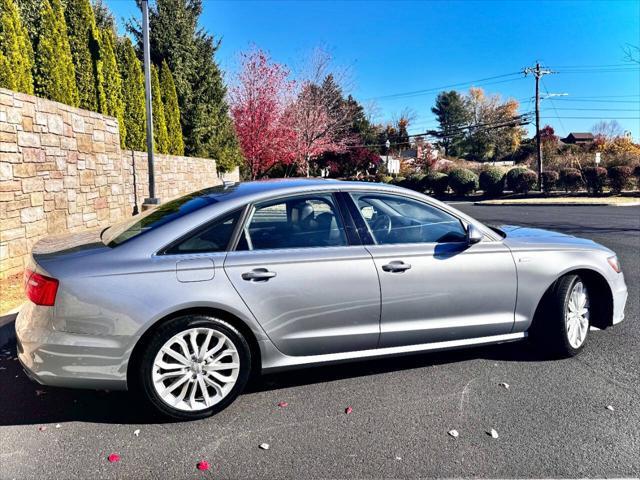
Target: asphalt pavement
552	421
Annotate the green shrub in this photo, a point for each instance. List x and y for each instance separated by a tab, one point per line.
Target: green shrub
571	179
437	183
414	182
384	178
512	177
398	181
550	180
619	178
463	181
492	181
595	178
636	173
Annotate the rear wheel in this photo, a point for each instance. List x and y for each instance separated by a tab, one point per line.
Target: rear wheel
194	367
563	324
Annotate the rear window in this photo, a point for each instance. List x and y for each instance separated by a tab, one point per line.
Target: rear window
165	213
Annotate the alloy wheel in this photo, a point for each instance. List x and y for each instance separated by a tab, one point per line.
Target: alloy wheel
195	369
577	315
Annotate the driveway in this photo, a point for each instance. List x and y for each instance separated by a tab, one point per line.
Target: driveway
552	421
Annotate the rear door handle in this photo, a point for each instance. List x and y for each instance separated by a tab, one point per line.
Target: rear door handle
396	266
258	274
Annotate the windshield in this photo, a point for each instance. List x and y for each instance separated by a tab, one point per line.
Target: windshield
121	232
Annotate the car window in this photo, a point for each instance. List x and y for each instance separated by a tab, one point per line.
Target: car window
214	237
167	212
394	219
296	222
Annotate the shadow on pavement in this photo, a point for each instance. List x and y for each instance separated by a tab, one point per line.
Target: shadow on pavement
23	402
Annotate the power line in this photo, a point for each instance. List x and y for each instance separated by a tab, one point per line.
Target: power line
601	109
437	89
553	105
592	66
595	118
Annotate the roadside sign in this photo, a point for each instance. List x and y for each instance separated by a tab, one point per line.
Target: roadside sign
597	158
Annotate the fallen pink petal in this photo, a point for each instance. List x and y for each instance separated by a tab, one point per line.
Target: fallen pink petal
42	428
113	458
283	404
348	410
203	465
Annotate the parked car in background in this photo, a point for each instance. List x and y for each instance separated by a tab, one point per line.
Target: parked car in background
182	303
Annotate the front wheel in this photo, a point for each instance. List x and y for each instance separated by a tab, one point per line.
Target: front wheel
563	326
194	367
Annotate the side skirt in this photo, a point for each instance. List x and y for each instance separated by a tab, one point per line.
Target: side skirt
273	360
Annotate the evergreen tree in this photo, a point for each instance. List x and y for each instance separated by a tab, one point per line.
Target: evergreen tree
176	38
113	105
16	55
85	49
30	14
171	110
453	115
54	76
160	136
133	96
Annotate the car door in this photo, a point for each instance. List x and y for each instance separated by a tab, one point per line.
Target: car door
312	290
435	286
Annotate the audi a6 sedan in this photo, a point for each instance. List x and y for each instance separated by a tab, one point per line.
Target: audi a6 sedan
182	303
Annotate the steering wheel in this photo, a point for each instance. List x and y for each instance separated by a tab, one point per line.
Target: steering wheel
382	225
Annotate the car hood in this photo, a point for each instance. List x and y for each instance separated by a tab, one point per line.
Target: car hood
519	238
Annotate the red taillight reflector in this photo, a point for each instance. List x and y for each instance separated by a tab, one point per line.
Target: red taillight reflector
40	289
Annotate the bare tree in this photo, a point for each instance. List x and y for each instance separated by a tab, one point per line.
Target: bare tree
607	129
631	53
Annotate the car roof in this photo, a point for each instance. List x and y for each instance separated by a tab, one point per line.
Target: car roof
271	187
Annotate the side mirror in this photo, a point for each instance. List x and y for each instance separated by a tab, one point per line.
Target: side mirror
474	234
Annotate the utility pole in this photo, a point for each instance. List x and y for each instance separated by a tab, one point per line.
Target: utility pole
152	200
538	73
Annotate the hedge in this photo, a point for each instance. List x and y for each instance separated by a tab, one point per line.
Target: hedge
437	183
571	179
492	181
463	181
521	180
619	178
595	178
550	180
413	182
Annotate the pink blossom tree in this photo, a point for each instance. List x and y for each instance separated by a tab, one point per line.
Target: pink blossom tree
260	102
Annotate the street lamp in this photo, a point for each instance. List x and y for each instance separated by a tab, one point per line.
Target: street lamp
152	200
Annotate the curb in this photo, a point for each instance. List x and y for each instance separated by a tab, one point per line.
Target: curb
7	327
556	204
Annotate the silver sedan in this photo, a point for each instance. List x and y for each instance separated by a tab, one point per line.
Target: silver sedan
182	303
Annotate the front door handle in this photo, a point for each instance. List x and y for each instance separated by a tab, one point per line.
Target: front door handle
396	266
258	274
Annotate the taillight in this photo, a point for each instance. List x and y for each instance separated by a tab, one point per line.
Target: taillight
40	289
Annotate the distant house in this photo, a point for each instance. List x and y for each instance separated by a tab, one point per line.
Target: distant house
577	138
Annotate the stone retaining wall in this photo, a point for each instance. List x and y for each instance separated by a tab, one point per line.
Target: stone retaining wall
62	170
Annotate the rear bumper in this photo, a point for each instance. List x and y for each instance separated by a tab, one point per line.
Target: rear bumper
62	359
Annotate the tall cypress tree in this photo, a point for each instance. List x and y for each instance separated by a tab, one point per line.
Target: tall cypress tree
160	136
133	96
113	104
176	38
16	54
85	49
54	76
171	110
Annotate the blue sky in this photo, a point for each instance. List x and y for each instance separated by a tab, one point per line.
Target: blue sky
391	48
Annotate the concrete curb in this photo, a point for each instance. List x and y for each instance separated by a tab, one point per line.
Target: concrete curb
555	204
7	327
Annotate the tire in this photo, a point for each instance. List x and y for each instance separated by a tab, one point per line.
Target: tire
186	401
557	330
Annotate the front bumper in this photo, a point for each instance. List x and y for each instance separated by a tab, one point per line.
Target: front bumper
620	294
62	359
